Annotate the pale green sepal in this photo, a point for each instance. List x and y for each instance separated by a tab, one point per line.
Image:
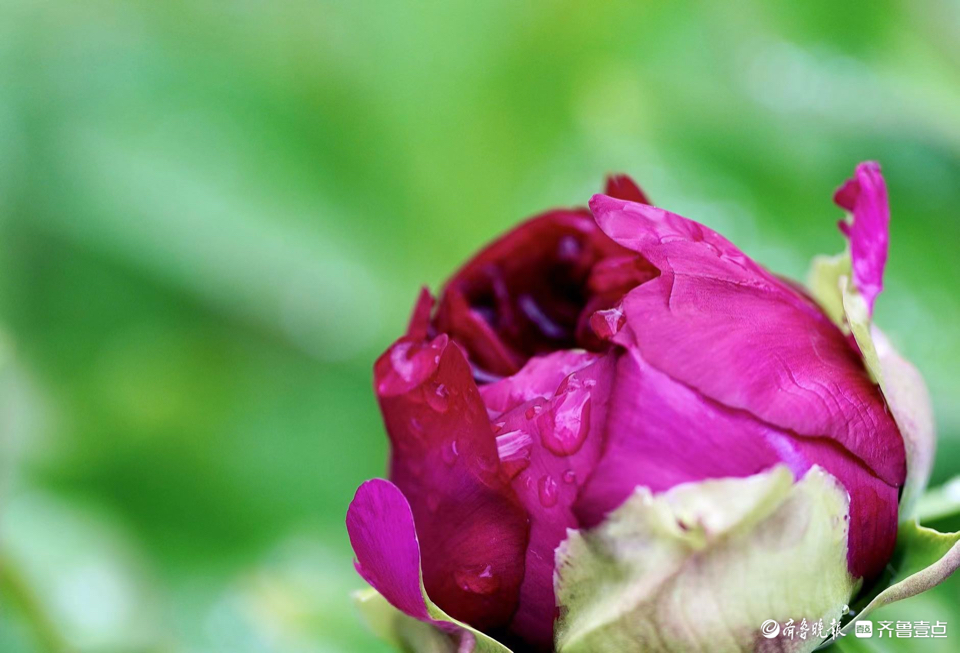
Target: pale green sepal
940	503
701	566
471	640
410	635
924	558
823	280
909	400
858	321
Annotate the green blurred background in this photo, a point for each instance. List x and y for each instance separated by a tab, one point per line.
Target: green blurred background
214	215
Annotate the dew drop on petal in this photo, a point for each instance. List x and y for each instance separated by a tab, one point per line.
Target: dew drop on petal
565	427
570	477
477	579
514	449
450	452
400	361
548	490
606	324
438	397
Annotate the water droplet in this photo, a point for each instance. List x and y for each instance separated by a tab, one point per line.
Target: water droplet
497	427
438	398
514	448
570	477
606	324
477	579
565	427
450	453
549	492
400	360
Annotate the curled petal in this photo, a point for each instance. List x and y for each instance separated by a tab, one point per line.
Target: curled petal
384	538
720	323
865	197
674	244
420	319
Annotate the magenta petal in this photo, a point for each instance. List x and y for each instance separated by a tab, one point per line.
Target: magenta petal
661	433
720	323
865	197
749	350
673	243
550	446
471	527
384	539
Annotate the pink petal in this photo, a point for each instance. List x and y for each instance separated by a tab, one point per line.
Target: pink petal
381	528
551	445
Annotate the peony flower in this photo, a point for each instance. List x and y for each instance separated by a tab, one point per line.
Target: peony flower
616	432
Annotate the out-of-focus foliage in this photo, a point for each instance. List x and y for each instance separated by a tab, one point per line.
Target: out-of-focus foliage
214	215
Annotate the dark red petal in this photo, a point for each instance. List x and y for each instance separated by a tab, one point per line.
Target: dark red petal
624	188
524	294
472	529
420	319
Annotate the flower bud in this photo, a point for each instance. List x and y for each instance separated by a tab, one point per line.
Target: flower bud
613	414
